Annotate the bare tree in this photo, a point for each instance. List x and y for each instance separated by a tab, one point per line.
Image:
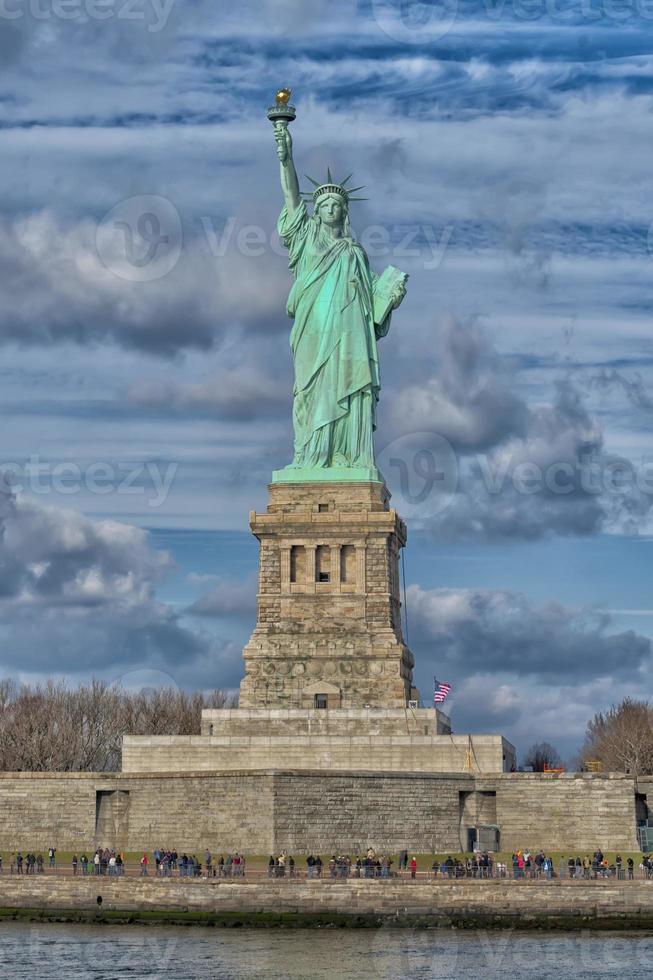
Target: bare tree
542	756
53	727
622	738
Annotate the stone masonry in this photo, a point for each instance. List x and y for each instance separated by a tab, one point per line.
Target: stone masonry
402	752
301	810
328	749
328	678
515	904
328	630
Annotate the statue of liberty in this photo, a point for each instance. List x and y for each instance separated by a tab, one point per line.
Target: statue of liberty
340	309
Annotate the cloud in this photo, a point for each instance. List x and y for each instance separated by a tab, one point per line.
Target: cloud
78	597
470	400
532	486
633	386
58	557
522	471
531	671
239	395
497	632
228	600
59	287
528	710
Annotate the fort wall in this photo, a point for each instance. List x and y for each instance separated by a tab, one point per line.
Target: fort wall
267	811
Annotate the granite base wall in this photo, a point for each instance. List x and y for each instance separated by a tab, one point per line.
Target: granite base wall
304	722
379	752
569	811
575	905
263	812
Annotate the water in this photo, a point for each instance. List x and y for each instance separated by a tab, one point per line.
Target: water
68	952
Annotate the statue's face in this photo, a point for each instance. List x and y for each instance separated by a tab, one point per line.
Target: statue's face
331	211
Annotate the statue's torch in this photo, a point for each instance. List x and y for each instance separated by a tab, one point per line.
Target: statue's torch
282	111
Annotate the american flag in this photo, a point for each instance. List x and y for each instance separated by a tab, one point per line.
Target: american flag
441	690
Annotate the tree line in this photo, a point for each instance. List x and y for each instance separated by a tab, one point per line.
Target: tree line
618	740
51	726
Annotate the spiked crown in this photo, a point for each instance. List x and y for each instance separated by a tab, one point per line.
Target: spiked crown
333	187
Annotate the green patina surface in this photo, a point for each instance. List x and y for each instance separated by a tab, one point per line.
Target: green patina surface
340	308
327	474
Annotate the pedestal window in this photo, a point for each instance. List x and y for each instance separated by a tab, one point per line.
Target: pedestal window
348	564
323	563
297	563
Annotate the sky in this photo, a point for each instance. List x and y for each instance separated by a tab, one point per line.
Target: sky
145	371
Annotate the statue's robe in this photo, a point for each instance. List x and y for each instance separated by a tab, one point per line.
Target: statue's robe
333	341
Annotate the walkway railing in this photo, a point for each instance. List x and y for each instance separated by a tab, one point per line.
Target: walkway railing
327	874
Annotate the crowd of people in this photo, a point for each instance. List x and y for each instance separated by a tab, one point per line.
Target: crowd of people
526	865
102	862
167	863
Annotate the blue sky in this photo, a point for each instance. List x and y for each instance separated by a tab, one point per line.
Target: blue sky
145	368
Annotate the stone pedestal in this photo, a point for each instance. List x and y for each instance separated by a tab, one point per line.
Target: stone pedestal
328	631
328	679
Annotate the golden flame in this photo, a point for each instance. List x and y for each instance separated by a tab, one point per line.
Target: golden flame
283	96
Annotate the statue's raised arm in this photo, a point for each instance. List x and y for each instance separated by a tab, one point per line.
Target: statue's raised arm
280	114
289	181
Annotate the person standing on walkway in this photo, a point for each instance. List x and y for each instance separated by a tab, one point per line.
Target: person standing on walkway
413	867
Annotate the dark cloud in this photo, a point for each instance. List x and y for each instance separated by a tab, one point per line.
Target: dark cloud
533	486
470	400
59	288
502	632
522	471
78	596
